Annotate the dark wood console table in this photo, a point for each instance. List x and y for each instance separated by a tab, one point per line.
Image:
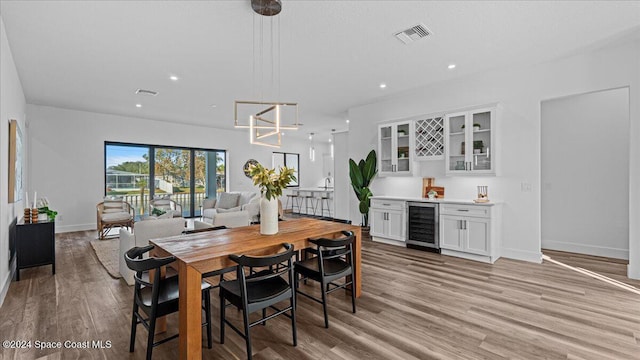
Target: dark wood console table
35	245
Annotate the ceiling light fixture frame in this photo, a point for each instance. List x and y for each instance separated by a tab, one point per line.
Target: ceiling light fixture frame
267	119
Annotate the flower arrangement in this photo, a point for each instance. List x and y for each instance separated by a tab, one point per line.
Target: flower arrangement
271	184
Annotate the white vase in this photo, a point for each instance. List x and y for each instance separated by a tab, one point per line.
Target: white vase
268	216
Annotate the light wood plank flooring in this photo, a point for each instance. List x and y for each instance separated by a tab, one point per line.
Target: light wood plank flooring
415	305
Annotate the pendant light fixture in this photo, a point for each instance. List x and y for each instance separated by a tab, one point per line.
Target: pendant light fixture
266	119
312	149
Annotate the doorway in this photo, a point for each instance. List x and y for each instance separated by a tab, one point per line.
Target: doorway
585	173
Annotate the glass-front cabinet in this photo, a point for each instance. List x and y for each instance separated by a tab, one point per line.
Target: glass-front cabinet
470	143
395	148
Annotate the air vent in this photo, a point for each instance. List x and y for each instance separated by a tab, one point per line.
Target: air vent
146	92
413	33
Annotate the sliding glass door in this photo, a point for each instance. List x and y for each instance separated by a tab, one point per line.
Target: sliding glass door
187	175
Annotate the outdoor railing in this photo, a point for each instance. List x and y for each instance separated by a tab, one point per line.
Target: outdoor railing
184	199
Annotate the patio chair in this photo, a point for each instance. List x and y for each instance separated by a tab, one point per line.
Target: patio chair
114	212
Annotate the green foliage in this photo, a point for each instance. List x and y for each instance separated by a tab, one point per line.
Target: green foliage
51	214
135	167
157	212
271	184
361	175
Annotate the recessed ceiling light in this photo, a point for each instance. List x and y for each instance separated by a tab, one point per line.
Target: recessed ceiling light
383	85
347	121
173	78
282	133
451	66
138	105
329	140
213	105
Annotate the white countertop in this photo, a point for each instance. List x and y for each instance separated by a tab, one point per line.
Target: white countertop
319	189
438	201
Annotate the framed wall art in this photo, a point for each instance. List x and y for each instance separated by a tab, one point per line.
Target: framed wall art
16	158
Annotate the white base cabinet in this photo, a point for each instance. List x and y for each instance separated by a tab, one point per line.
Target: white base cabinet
387	218
470	231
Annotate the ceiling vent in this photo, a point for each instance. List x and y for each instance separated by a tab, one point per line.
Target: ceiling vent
413	33
146	92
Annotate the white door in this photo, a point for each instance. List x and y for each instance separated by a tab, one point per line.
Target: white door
396	225
451	232
477	234
377	220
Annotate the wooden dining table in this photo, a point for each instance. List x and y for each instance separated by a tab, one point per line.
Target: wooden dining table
203	252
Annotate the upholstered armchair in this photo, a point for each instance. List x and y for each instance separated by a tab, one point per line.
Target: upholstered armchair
145	231
165	204
225	203
114	212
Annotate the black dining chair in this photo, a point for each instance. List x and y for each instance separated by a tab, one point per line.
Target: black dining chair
260	291
157	298
333	261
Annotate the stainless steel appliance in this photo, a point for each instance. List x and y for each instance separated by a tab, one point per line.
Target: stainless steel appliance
422	226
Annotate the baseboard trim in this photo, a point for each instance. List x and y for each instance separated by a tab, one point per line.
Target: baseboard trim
389	241
72	228
515	254
586	249
5	286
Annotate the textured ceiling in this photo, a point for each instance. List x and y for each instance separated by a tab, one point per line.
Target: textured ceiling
92	55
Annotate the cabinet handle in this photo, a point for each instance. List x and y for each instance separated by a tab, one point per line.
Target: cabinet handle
463	209
465	224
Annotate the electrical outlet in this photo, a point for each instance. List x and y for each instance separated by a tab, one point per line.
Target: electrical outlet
525	187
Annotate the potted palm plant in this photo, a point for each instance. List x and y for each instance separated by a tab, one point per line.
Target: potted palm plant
361	175
271	185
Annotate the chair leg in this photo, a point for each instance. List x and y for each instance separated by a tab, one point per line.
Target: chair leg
207	314
353	294
246	333
324	304
222	318
293	318
264	315
152	331
134	325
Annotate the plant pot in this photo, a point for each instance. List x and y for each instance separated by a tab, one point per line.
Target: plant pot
366	235
268	216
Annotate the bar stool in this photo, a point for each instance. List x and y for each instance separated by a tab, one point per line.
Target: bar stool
323	199
295	200
307	197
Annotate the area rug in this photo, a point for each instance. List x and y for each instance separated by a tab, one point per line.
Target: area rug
107	252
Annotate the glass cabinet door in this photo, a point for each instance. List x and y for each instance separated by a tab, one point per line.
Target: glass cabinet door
481	135
402	147
457	144
386	147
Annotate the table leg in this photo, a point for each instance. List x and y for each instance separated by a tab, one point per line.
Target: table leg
358	260
190	312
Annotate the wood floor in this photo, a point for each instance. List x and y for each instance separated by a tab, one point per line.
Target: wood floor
415	305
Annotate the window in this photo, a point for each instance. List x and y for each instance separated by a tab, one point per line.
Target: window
188	175
289	160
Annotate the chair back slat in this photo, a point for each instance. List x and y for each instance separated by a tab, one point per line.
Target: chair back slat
133	258
264	261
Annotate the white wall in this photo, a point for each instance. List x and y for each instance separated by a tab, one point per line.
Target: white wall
12	106
342	183
519	92
585	173
67	161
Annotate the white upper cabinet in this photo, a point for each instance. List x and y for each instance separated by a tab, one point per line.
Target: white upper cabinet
470	142
395	148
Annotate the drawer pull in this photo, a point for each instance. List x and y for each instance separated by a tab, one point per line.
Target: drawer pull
463	209
386	204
